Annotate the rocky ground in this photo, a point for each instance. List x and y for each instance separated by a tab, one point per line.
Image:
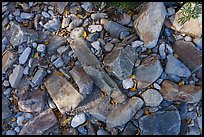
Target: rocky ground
72	69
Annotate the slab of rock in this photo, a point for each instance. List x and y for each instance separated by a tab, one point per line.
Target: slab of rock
192	27
38	77
24	56
183	49
54	43
44	123
7	60
176	67
161	123
65	96
83	80
93	68
148	72
185	93
119	62
32	101
15	77
6	112
20	34
149	23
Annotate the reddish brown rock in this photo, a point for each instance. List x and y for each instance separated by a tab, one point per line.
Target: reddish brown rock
186	93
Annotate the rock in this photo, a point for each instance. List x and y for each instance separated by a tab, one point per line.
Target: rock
125	19
78	120
108	46
40	125
77	32
120	61
127	83
82	130
45	14
171	11
92	37
75	9
185	93
7	60
64	95
20	120
137	43
115	29
182	48
95	28
87	6
169	50
32	101
15	77
174	78
60	6
162	52
6	112
157	126
65	22
25	15
55	43
93	68
188	38
10	132
52	25
130	129
176	67
122	114
96	16
41	48
96	45
149	23
198	42
24	56
20	34
62	50
26	70
157	86
38	77
152	97
75	23
5	22
58	63
102	132
143	73
192	27
83	80
17	129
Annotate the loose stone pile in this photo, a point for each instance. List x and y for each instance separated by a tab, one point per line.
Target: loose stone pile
71	69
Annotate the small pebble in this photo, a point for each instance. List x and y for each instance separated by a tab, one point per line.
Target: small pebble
108	46
20	120
137	43
17	129
157	86
188	38
10	132
96	45
127	83
45	14
78	119
58	63
171	11
41	48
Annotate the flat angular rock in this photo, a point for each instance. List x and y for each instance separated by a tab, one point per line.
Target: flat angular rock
92	67
44	123
119	63
183	48
65	96
32	101
149	23
185	93
176	67
7	60
38	77
24	56
161	123
6	112
148	72
15	77
83	80
20	34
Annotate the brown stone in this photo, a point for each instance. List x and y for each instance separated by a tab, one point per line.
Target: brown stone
186	93
7	60
65	96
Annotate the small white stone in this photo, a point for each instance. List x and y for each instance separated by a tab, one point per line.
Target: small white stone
188	38
20	120
95	28
127	83
137	43
96	45
17	129
157	86
34	45
78	119
26	70
41	48
25	15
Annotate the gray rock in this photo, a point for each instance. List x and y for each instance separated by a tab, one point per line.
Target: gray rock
108	46
16	12
25	15
188	38
102	132
10	132
20	49
161	123
82	130
20	34
15	77
6	112
144	73
96	45
7	92
41	48
176	67
83	80
65	22
198	42
41	124
137	43
96	16
75	9
24	56
193	131
120	61
20	120
125	19
162	52
77	32
92	37
174	78
38	77
127	83
17	129
60	6
171	11
64	95
149	23
75	23
26	70
87	6
5	22
157	86
53	25
152	97
169	50
45	14
130	129
95	28
62	50
78	119
58	63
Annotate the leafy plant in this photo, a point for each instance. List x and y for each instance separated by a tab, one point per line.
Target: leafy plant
190	10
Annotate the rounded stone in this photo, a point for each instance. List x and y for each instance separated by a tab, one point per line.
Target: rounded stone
20	120
127	83
78	119
41	48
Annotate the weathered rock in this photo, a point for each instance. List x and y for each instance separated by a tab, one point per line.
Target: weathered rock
148	72
183	48
96	45
32	101
176	67
84	81
96	16
55	43
77	32
161	123
93	68
15	77
82	130
92	37
192	27
20	34
60	6
152	97
120	61
78	119
65	96
75	23
6	112
24	56
40	125
10	132
127	83
38	77
185	93
7	60
20	120
149	23
53	25
65	22
87	6
130	129
45	14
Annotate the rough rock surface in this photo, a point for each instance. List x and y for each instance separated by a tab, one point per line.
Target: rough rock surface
15	77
